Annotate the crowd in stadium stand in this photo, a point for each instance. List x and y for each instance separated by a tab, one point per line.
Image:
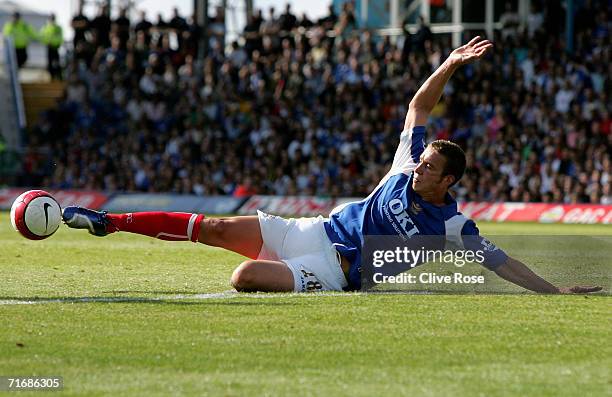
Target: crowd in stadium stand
304	107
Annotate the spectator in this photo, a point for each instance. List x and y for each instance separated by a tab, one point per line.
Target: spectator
269	30
216	29
422	36
287	21
305	22
80	26
51	35
252	36
347	22
535	20
245	189
191	37
509	20
329	21
178	24
144	26
564	97
161	25
101	26
408	39
22	33
121	27
238	56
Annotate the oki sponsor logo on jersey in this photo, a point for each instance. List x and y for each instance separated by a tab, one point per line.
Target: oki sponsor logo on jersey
402	218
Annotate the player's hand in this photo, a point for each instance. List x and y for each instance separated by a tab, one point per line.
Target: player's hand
471	51
578	290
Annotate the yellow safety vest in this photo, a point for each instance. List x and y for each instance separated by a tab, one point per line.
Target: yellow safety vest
21	33
51	35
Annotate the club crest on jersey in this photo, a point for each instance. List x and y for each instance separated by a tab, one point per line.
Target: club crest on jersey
488	245
415	208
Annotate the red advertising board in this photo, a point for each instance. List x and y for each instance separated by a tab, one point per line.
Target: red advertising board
309	206
495	212
89	199
291	205
538	212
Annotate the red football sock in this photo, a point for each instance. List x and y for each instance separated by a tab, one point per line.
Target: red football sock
173	226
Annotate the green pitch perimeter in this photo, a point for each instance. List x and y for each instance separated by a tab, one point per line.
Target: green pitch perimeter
126	315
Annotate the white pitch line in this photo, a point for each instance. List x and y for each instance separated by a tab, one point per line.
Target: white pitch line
186	297
180	297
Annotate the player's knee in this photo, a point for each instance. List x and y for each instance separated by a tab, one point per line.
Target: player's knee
244	277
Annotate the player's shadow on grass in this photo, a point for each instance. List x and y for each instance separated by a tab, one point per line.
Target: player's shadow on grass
175	292
212	300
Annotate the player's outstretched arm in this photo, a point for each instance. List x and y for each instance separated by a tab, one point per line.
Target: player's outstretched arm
516	272
429	94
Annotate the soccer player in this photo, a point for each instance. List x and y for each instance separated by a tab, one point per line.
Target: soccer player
310	254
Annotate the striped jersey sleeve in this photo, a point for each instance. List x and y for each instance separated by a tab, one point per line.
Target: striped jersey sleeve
409	150
494	257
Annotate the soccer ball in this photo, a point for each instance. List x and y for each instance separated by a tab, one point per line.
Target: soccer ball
36	214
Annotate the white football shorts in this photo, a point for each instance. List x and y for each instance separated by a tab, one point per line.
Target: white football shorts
302	244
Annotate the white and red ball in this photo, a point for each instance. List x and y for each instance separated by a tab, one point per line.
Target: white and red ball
36	214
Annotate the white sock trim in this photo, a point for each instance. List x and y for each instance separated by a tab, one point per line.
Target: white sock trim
190	225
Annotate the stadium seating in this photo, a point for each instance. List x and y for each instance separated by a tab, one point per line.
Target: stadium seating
298	111
38	97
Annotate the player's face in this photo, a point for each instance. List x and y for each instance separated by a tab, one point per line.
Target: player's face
428	173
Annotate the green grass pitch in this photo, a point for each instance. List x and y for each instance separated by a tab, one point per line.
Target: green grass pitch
127	315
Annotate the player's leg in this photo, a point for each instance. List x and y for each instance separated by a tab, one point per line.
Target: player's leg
313	272
264	276
296	256
240	234
243	235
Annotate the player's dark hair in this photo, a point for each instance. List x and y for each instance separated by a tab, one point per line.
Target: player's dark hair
455	158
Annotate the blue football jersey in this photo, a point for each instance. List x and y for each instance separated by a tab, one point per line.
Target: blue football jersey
395	209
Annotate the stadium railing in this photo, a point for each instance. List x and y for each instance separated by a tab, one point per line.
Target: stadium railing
12	117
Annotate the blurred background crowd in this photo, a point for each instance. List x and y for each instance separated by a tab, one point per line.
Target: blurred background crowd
315	107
